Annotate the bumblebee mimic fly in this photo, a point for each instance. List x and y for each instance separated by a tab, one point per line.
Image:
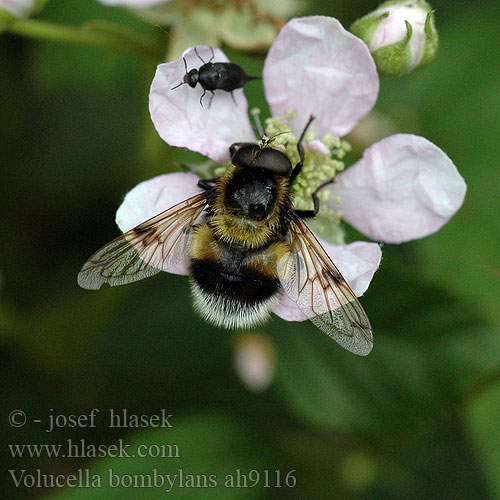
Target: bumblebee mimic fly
247	247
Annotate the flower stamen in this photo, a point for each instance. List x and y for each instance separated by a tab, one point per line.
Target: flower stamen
323	160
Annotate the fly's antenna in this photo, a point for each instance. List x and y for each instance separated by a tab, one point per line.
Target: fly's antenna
271	139
279	133
259	130
257	126
186	69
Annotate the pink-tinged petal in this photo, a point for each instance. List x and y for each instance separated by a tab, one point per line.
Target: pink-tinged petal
288	310
403	188
133	4
152	197
317	67
357	262
318	146
182	121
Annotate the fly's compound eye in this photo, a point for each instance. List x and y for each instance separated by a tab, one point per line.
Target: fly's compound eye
236	146
274	161
243	154
250	155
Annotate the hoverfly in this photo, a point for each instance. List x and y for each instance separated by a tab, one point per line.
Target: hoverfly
247	246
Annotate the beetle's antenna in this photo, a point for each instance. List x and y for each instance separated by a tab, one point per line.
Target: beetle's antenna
186	69
177	86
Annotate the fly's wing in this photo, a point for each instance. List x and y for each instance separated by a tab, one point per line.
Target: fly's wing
311	279
155	245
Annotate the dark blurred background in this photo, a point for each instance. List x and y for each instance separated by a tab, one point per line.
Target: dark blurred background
417	419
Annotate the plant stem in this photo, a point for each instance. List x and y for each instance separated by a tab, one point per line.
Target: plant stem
97	34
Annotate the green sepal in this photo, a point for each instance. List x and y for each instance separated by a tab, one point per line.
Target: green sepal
431	41
421	4
395	59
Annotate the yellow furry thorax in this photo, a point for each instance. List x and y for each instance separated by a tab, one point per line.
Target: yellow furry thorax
246	232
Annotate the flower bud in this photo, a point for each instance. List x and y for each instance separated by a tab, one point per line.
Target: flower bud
400	35
255	360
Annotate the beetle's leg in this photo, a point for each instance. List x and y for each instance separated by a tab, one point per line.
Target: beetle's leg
213	54
199	57
202	96
211	98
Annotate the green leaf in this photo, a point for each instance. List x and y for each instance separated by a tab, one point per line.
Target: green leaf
481	418
413	367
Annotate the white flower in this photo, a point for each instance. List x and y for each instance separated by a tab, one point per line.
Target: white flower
403	188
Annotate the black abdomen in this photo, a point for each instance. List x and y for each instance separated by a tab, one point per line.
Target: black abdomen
230	294
215	278
222	76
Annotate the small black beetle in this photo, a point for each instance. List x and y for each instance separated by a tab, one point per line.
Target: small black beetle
216	76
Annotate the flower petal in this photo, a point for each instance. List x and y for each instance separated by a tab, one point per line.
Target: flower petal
152	197
357	262
403	188
182	121
18	8
317	67
288	310
133	4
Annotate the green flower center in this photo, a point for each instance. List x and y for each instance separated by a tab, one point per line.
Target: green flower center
323	160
